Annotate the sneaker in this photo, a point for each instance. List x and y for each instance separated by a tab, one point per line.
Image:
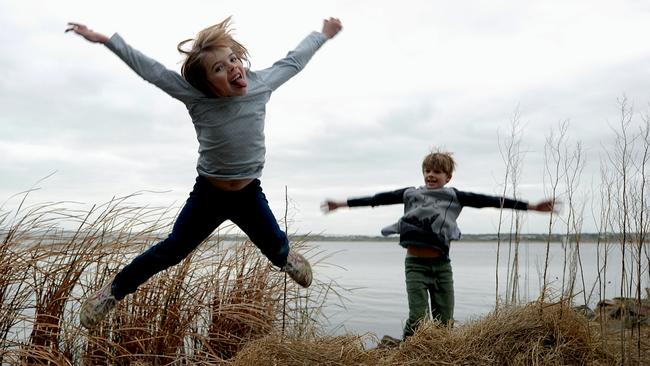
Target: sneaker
97	306
298	269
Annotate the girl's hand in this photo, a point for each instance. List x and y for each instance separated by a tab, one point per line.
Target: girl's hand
331	27
88	34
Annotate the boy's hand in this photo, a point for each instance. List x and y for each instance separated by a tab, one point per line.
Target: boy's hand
329	206
88	34
545	206
331	27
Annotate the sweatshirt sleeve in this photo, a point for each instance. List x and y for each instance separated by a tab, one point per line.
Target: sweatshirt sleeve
380	199
481	200
284	69
153	71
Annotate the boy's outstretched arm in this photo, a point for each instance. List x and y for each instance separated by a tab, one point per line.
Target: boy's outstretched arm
88	34
331	27
544	206
379	199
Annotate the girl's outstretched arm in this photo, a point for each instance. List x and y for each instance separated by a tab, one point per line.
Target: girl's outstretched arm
331	27
88	34
296	60
149	69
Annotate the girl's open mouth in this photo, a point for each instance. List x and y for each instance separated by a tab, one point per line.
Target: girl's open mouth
239	81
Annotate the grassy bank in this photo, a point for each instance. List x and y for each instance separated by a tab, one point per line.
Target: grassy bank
536	334
225	305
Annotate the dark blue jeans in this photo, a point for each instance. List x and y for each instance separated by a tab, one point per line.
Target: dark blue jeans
205	209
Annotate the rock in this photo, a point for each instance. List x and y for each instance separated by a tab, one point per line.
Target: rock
585	311
630	311
388	342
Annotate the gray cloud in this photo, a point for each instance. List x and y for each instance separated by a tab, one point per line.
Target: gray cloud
397	81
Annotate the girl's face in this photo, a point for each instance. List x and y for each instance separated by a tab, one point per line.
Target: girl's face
225	73
434	178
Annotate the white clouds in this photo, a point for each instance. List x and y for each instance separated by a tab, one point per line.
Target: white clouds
401	77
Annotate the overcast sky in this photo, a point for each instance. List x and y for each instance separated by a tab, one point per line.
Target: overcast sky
401	78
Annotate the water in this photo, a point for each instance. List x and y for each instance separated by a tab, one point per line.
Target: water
373	273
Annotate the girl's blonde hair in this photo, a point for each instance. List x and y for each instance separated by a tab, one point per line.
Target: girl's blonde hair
206	41
439	160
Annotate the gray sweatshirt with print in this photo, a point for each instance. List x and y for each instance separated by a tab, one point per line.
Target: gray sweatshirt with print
230	130
430	214
429	218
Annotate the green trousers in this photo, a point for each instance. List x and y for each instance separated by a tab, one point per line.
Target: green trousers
428	279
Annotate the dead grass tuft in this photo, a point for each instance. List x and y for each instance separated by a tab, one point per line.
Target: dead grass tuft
277	350
527	335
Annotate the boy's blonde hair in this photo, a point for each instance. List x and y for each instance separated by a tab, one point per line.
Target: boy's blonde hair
206	41
439	160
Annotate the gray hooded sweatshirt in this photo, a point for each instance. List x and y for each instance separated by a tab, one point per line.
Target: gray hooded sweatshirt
430	214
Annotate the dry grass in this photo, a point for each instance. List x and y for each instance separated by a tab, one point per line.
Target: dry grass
524	335
225	305
629	345
527	335
278	350
203	310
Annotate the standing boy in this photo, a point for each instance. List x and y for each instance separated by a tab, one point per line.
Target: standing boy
426	230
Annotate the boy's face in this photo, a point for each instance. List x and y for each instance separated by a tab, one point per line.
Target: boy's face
435	178
225	73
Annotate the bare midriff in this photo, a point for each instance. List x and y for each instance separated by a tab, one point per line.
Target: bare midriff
425	252
230	185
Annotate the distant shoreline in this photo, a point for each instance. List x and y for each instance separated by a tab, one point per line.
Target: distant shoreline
504	237
554	238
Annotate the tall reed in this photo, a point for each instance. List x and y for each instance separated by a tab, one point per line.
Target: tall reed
620	216
512	155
